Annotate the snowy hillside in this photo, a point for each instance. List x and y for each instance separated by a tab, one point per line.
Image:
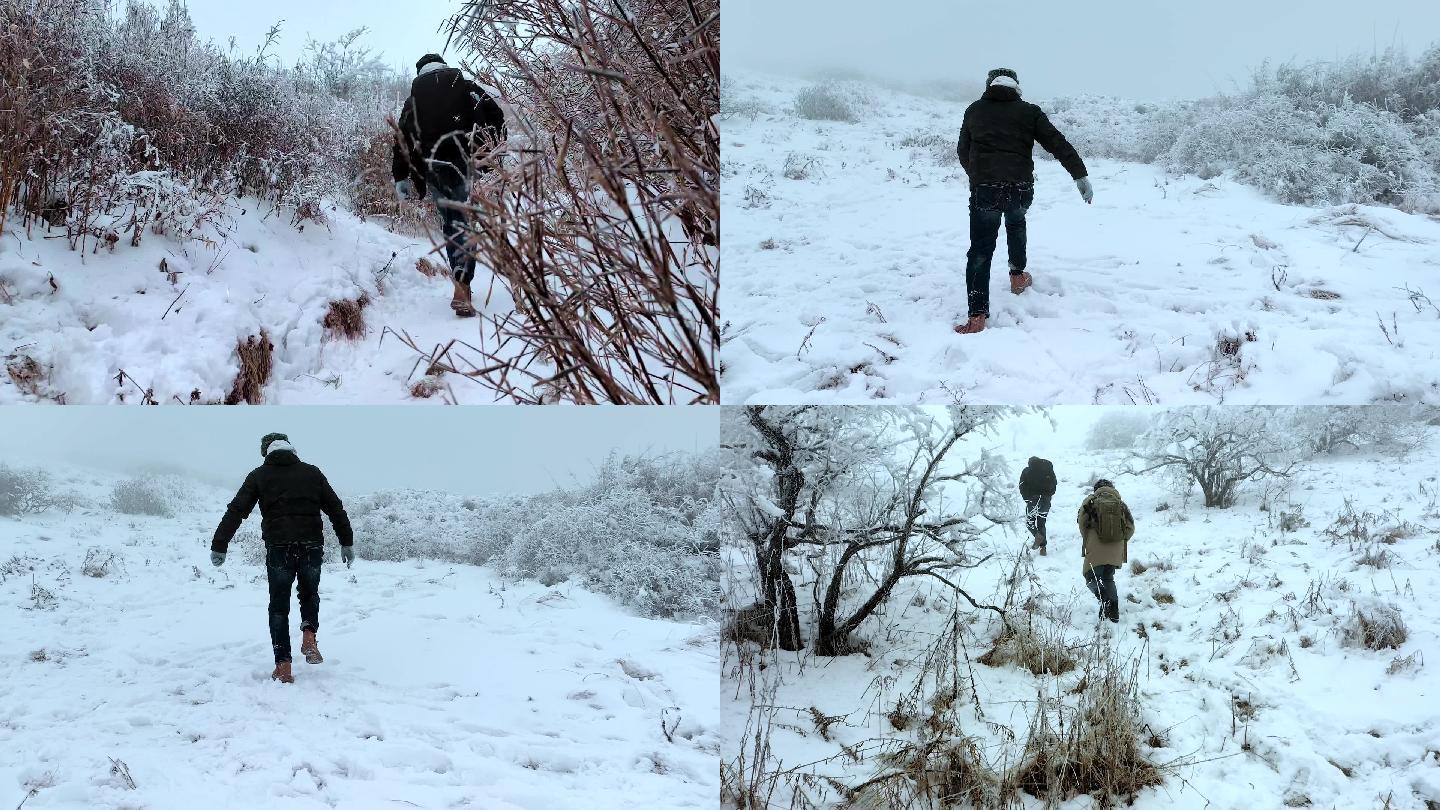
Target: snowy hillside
135	674
847	242
1242	652
170	313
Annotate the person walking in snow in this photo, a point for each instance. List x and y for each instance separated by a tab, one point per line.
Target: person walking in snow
1037	487
445	121
996	139
1106	527
291	495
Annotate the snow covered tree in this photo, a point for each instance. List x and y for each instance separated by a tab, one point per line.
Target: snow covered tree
1217	448
1326	429
850	488
1117	429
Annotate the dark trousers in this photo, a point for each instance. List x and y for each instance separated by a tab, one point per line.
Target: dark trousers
988	206
1100	579
448	188
1037	509
285	565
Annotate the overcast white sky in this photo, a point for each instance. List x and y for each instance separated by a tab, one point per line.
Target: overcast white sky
1138	49
469	450
401	32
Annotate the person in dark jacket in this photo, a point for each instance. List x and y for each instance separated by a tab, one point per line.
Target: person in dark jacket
996	140
446	120
1037	487
291	495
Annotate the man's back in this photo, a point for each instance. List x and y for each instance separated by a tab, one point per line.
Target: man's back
999	134
442	107
291	495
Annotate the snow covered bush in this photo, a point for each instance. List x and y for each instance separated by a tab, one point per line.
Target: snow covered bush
1329	429
645	531
1375	627
129	123
826	101
141	496
1217	448
23	491
1117	429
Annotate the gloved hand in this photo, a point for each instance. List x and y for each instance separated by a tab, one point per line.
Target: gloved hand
1086	190
347	553
404	189
217	559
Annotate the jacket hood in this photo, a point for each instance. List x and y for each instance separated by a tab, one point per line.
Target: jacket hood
997	92
282	456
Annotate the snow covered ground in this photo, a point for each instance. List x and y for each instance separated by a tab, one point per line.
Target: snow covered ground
1237	636
846	245
175	332
443	686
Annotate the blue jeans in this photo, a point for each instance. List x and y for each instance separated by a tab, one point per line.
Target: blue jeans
448	186
988	206
285	565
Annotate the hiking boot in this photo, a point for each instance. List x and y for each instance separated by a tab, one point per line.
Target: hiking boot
462	302
970	327
1020	282
310	649
282	673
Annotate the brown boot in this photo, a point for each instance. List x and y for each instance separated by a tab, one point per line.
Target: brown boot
970	327
462	303
309	648
1020	282
282	673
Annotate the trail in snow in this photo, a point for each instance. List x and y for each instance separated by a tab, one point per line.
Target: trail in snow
844	284
442	686
175	332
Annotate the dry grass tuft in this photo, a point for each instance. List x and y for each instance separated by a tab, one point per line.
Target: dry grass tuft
1097	753
345	318
26	373
1042	653
254	353
1378	627
429	269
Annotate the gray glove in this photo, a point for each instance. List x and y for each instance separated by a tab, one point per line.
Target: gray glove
404	189
217	559
347	553
1086	190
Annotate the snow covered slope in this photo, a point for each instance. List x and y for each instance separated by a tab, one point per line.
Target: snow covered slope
442	686
846	245
1249	694
175	331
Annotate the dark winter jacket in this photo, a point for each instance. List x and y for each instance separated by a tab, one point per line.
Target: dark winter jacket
291	495
999	134
437	122
1037	480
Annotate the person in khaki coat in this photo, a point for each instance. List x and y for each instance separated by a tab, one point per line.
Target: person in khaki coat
1106	527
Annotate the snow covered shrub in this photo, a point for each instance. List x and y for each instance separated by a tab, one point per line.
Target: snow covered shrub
1040	650
1217	448
130	122
1117	429
98	563
1375	627
1118	128
141	496
825	102
23	491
